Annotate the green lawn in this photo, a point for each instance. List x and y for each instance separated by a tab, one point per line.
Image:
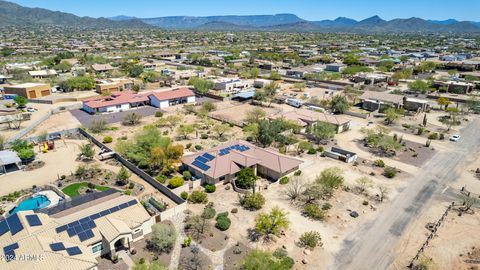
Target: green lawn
72	190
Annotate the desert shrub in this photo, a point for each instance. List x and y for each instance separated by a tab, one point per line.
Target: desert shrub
389	172
311	239
187	241
433	136
188	146
209	213
203	136
210	188
175	182
198	147
198	196
223	222
326	206
234	211
311	151
297	173
161	178
284	180
320	149
184	195
163	237
313	211
158	114
379	163
107	139
252	201
91	185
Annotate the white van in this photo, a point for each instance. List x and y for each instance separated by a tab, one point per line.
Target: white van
294	102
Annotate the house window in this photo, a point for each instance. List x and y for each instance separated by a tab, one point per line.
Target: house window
222	178
97	247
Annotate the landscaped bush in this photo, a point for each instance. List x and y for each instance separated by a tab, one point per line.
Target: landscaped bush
187	241
198	196
210	188
379	163
157	204
184	195
91	185
223	222
326	206
320	149
198	147
297	173
252	201
187	175
158	114
203	136
188	146
107	139
284	180
389	172
175	182
161	178
313	211
311	151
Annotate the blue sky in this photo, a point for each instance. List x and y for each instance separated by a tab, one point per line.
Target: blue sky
306	9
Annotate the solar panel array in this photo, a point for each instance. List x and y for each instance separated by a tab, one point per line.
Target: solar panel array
12	224
9	251
201	161
83	227
33	220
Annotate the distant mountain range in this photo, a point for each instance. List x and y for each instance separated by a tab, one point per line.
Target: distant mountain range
13	14
291	22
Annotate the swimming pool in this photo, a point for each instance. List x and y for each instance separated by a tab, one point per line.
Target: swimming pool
32	203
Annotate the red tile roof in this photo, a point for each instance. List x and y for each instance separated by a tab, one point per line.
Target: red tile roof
173	94
116	98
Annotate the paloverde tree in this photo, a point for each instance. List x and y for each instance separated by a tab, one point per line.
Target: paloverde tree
323	131
452	119
272	223
392	114
246	179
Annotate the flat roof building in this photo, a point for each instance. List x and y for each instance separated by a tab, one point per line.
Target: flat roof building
29	90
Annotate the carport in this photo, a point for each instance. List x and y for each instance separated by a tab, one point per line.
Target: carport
9	161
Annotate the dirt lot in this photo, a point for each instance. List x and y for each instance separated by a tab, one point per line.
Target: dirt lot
338	224
235	112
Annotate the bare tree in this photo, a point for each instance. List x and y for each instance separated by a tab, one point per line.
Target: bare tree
383	192
193	261
295	188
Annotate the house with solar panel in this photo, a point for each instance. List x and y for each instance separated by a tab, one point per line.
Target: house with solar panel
222	163
73	234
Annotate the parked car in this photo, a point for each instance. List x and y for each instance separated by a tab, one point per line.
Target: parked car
455	138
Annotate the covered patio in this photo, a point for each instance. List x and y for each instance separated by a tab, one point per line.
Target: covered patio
9	161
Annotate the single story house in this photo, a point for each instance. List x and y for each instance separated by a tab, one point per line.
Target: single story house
260	83
74	234
101	68
125	100
9	161
222	163
172	97
115	85
373	101
116	102
29	90
305	117
42	74
230	85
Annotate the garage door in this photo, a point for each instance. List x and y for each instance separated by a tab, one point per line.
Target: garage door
45	93
32	94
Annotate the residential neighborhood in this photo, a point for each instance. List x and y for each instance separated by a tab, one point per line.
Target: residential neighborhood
283	141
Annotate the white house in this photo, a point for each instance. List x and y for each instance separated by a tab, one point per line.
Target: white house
172	97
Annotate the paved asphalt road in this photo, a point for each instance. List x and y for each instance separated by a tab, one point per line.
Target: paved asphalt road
371	247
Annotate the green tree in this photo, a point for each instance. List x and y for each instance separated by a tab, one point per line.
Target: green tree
443	101
78	83
392	114
63	66
263	260
132	119
221	129
274	222
252	201
153	265
323	131
330	179
246	178
123	176
255	115
339	104
452	119
135	71
185	130
201	86
163	237
351	59
21	101
418	86
311	239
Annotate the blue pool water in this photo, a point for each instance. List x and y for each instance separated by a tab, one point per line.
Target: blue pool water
32	203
